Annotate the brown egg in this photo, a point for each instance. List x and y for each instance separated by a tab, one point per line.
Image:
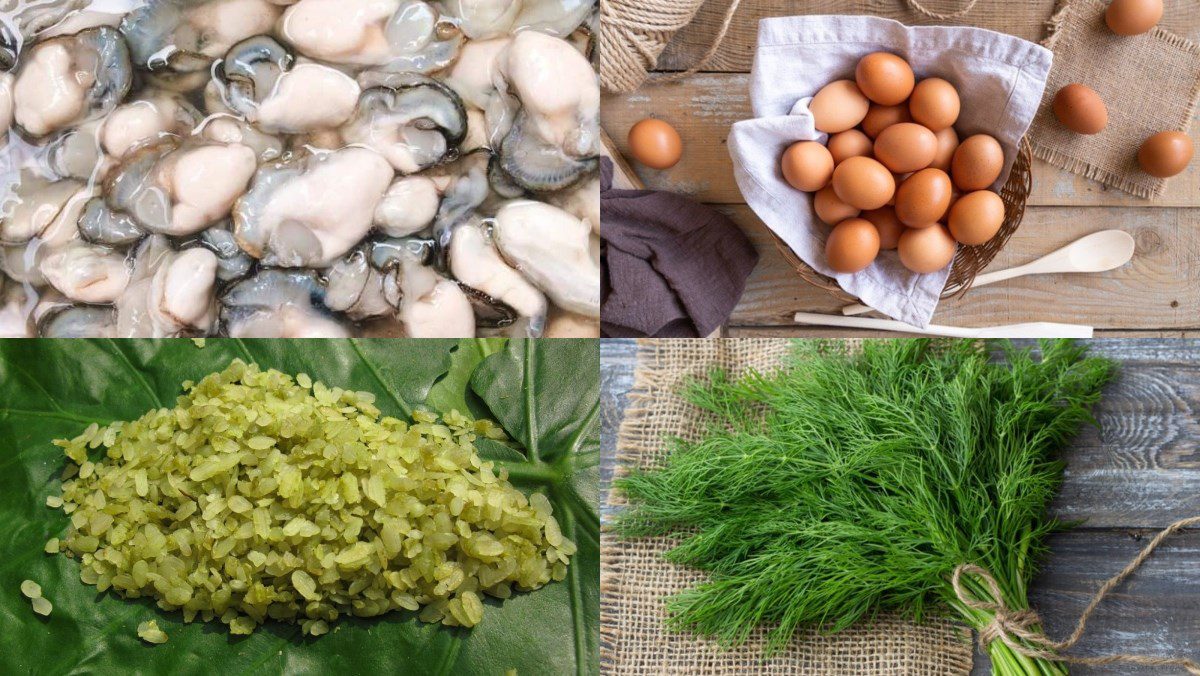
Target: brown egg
881	117
926	250
863	183
947	143
853	244
976	217
935	104
1166	154
1133	17
977	163
830	209
1080	109
838	106
906	147
885	78
655	144
850	143
807	166
923	199
889	227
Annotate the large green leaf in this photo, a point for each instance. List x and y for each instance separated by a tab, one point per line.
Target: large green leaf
452	392
53	389
554	416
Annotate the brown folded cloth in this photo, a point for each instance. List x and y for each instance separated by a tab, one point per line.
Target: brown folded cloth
671	267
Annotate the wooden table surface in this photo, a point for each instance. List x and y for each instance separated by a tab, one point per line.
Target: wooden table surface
1157	294
1136	474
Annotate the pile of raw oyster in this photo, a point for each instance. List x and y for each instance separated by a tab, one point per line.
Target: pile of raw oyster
299	168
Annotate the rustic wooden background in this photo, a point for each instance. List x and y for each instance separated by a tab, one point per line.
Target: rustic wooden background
1157	294
1134	475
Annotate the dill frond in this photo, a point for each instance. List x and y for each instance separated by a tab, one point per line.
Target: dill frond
849	483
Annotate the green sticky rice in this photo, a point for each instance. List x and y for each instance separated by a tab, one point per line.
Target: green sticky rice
149	632
262	496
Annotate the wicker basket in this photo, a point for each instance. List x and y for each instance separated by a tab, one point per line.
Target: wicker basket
970	260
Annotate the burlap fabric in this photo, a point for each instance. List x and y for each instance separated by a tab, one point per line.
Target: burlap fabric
1150	84
634	579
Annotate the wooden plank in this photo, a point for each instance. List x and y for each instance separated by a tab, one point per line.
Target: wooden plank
1159	290
1023	18
705	107
792	331
618	358
1153	613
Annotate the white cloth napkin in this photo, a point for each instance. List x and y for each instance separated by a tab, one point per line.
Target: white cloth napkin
999	78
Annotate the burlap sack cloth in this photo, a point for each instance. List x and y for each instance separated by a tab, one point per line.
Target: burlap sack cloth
634	580
1149	83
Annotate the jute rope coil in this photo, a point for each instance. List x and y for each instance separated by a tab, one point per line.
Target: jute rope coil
633	33
1016	628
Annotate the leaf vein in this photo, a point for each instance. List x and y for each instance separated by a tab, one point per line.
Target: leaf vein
531	421
137	373
379	379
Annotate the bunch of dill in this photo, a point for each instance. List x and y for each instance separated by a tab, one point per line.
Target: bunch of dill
851	482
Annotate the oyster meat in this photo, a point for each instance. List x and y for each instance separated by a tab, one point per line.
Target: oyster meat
310	210
69	79
554	249
175	187
260	80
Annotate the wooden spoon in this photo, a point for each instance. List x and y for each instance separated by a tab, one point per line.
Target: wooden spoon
1030	330
1097	252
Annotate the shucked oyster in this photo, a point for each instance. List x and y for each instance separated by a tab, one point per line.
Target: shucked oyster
414	126
40	208
77	321
431	306
279	304
391	35
146	119
409	206
310	210
359	290
483	19
475	263
260	80
69	79
554	250
15	307
99	224
178	187
172	293
553	138
186	36
87	273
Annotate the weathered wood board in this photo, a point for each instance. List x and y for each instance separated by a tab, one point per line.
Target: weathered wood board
1023	18
1138	472
1158	290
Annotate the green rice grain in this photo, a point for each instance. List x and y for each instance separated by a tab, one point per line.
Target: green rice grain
31	589
41	606
259	496
149	632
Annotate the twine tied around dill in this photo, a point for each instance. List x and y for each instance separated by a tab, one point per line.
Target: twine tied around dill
1018	628
633	33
